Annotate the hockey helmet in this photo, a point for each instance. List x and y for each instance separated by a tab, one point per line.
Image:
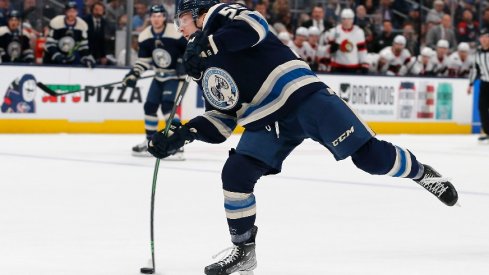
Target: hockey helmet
157	9
14	14
71	5
194	6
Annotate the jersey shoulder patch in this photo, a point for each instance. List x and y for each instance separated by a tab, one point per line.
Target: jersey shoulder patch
4	30
145	35
57	22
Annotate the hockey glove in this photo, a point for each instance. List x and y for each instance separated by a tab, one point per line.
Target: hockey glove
334	47
59	58
198	48
88	61
130	79
162	146
180	68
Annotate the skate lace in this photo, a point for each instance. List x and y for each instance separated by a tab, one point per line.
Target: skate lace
225	260
435	185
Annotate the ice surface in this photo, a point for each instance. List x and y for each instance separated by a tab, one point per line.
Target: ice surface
79	204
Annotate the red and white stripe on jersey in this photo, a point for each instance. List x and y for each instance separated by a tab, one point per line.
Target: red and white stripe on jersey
393	64
458	67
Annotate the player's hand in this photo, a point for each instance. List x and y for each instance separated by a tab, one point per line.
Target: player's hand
161	146
364	68
194	57
59	58
180	68
88	61
334	47
469	90
130	79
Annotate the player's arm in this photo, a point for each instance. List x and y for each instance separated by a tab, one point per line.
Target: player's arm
238	28
362	52
51	45
27	53
143	62
212	127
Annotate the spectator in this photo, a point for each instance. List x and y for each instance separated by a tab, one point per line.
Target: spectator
312	47
485	19
96	32
461	7
365	23
385	12
460	62
262	7
122	22
170	9
14	44
87	7
347	46
67	40
443	31
121	59
440	59
113	10
4	8
317	19
32	15
436	14
384	39
370	6
332	12
412	43
415	16
140	18
467	29
393	60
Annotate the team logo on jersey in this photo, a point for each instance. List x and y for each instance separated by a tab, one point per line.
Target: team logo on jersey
219	89
346	46
161	58
14	49
66	44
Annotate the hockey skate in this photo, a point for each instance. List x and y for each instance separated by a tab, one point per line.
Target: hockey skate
141	150
438	186
242	259
483	138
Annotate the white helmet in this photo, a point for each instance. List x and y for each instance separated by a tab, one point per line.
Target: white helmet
302	31
313	30
463	47
347	14
400	39
442	44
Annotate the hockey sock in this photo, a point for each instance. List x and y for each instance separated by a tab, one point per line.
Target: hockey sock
379	157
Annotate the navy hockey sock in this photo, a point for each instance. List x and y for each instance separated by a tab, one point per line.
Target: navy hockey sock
239	176
379	157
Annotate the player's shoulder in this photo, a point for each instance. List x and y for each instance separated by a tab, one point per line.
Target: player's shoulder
357	30
4	30
454	56
81	24
171	31
406	52
386	52
145	34
58	22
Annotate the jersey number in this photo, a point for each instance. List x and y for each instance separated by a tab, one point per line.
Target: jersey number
231	11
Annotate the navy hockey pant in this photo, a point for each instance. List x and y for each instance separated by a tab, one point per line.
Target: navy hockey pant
323	117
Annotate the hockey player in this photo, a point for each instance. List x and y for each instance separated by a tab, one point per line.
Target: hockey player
249	77
460	62
422	64
67	39
440	59
299	44
347	46
14	44
312	47
393	60
160	47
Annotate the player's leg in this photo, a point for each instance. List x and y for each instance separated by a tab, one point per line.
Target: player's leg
484	108
151	106
328	119
258	153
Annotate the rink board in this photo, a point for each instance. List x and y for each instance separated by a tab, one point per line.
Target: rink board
387	104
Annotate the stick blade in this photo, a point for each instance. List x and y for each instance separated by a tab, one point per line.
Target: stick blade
46	89
147	270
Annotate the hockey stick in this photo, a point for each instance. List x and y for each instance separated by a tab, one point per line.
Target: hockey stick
178	101
51	92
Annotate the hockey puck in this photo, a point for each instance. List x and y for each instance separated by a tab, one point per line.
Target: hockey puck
147	270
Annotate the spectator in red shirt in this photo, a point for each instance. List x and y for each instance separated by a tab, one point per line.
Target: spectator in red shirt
467	29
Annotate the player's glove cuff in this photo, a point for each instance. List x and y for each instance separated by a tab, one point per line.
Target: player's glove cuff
162	146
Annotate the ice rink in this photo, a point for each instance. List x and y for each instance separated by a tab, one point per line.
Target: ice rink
79	205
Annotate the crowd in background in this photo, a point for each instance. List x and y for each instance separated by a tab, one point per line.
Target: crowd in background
396	37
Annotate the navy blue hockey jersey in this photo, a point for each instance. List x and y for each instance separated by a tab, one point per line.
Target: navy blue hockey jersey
160	51
252	79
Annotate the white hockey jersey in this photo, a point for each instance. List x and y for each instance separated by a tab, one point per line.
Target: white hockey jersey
458	67
440	66
416	67
393	64
301	51
351	48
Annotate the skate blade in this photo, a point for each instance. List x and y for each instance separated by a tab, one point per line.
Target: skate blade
246	272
